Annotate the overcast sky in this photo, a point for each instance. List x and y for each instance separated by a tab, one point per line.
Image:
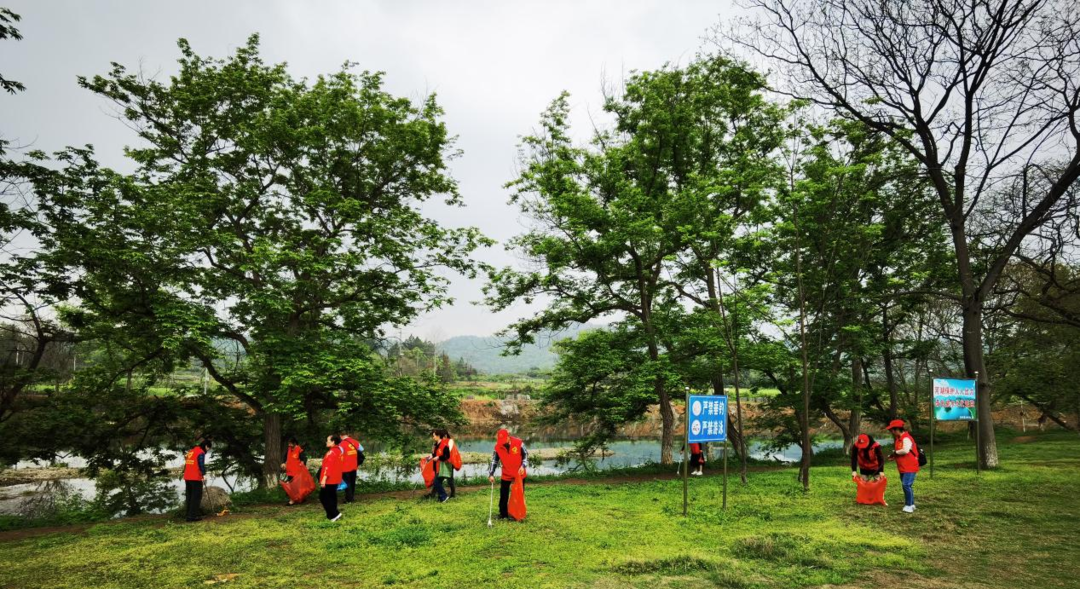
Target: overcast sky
494	65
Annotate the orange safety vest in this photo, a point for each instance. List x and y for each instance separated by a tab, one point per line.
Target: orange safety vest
331	466
191	464
510	458
293	466
348	460
908	462
870	463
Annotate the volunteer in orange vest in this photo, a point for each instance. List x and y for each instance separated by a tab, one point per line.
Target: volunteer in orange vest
906	455
350	461
440	453
510	452
295	461
697	459
194	471
450	444
330	477
866	458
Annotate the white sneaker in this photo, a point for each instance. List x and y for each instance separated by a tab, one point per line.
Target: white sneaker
913	508
909	509
336	518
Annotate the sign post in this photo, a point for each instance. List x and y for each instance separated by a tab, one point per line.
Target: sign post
706	421
685	449
954	399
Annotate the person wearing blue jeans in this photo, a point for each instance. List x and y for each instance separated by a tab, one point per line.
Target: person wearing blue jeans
906	455
907	480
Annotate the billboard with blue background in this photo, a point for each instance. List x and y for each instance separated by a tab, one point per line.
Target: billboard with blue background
954	399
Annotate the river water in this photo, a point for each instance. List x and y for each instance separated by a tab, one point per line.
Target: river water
624	454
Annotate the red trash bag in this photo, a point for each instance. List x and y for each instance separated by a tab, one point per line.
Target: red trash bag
427	469
516	505
455	458
870	492
300	486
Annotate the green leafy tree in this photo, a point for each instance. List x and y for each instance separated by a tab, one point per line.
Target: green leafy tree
975	92
279	215
606	221
9	31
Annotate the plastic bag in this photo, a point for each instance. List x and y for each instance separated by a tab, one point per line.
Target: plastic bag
427	469
516	505
455	458
870	492
300	486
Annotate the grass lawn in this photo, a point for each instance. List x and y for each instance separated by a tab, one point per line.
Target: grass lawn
1013	527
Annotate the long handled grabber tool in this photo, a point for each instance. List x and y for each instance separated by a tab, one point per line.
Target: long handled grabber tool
491	499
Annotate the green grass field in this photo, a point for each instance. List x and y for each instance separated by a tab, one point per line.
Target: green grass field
1013	527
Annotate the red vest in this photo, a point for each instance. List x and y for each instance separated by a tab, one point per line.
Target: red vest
868	457
510	458
908	462
191	464
331	466
439	447
293	466
350	447
695	448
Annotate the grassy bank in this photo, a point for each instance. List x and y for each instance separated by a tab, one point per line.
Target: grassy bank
1008	528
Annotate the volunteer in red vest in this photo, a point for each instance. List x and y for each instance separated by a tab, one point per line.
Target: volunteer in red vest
295	461
510	452
349	463
194	471
906	455
440	453
866	458
697	459
330	477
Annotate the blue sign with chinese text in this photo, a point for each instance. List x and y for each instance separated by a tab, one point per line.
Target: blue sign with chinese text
708	418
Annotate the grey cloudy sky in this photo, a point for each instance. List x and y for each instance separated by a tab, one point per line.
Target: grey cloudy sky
495	65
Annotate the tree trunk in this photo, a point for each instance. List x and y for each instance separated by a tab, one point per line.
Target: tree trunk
973	362
855	417
890	379
735	437
667	420
804	418
274	455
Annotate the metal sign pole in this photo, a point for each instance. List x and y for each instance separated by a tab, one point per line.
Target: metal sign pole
725	474
686	448
978	418
932	411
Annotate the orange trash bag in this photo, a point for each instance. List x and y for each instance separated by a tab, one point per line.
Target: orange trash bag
427	469
455	458
870	492
516	505
300	486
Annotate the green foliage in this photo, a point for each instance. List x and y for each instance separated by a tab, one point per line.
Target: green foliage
9	31
281	216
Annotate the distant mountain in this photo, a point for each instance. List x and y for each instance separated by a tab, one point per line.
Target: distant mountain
484	353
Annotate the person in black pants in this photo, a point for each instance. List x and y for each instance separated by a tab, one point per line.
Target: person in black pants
194	472
330	478
866	458
511	454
